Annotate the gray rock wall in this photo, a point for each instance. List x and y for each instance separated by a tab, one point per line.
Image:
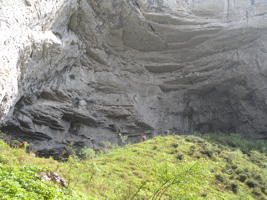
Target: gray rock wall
82	72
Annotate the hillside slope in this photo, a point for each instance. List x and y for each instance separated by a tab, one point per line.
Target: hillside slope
170	167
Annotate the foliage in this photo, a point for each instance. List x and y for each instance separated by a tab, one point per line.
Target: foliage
123	138
171	167
23	183
246	145
87	153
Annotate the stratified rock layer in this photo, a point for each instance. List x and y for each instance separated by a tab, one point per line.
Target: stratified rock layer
78	73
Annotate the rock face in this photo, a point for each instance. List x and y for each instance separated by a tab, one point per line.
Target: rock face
80	72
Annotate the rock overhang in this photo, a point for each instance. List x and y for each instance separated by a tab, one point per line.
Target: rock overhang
104	68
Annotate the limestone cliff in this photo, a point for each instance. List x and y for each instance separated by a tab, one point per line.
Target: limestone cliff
83	71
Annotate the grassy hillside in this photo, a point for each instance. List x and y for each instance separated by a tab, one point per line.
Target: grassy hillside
171	167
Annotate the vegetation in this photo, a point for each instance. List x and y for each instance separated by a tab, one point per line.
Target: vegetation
171	167
21	181
246	145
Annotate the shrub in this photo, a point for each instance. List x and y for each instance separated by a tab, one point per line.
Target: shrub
87	153
245	144
251	183
23	183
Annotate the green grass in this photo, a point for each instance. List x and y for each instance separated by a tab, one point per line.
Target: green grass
246	145
167	168
23	183
21	179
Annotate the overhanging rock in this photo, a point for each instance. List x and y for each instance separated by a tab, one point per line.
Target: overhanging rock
83	72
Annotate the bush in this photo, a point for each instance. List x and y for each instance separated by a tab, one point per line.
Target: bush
87	153
245	144
173	167
23	183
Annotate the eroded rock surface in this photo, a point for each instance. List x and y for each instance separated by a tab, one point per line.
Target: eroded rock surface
80	72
